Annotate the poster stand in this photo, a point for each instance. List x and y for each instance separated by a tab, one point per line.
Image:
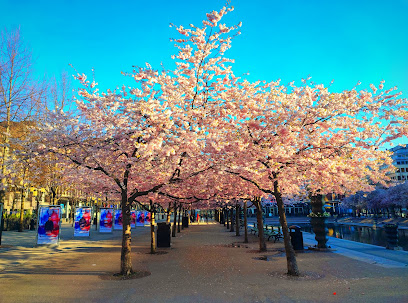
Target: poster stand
118	220
83	220
133	216
105	220
49	225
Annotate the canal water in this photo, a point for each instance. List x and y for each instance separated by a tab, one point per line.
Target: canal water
363	234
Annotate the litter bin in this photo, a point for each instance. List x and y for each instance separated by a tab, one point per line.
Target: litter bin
32	224
296	237
163	234
185	222
391	230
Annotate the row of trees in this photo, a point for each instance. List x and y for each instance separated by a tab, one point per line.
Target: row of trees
25	102
384	201
198	133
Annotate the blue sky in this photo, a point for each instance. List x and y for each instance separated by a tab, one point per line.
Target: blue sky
345	41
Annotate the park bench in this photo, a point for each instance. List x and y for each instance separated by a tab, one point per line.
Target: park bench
254	229
271	233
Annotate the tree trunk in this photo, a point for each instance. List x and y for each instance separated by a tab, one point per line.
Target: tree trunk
232	219
53	194
183	214
125	257
290	252
262	243
228	217
173	230
21	225
13	205
179	219
152	231
245	222
237	223
168	215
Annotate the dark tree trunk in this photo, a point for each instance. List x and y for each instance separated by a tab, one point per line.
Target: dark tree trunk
152	230
262	243
72	211
173	230
125	257
237	209
232	220
168	215
245	222
53	194
290	252
13	204
21	225
228	217
183	214
179	219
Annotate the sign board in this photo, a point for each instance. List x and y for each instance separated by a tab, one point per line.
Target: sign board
82	225
106	220
133	218
140	219
147	217
49	223
118	220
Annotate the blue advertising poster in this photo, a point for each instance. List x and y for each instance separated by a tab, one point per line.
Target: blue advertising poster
82	225
140	218
147	217
48	224
106	220
118	220
133	218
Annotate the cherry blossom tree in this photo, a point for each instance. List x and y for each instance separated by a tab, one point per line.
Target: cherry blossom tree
307	135
140	138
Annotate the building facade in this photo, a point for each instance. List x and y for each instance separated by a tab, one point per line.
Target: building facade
400	161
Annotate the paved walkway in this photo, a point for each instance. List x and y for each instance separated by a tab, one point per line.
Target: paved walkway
363	252
206	263
360	251
362	221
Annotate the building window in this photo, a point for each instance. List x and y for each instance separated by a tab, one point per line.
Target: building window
403	169
399	177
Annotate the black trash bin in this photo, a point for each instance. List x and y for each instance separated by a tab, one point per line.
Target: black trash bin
391	230
32	224
185	222
163	234
296	237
